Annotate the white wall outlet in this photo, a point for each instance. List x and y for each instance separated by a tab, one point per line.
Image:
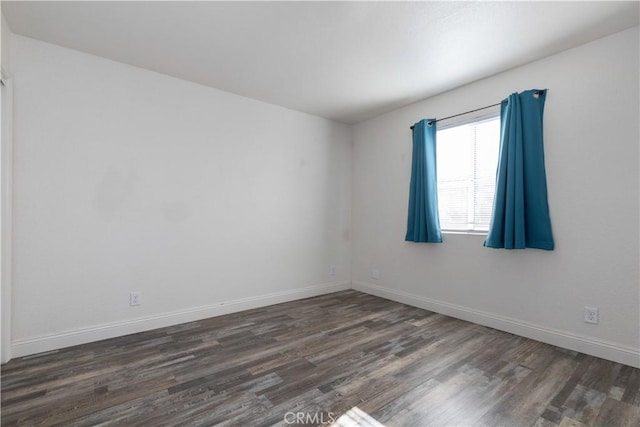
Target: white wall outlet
375	274
135	298
332	270
591	314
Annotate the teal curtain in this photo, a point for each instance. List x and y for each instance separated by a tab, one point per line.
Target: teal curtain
423	224
520	208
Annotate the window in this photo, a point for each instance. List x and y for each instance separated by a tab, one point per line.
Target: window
467	159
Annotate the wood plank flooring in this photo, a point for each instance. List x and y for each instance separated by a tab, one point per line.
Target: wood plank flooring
321	356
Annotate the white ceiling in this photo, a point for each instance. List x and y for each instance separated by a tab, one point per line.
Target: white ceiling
346	61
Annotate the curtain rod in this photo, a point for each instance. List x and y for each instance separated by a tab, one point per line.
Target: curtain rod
538	92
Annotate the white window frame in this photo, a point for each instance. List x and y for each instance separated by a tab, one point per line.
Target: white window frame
478	118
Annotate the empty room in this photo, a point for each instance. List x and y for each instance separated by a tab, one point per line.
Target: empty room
320	213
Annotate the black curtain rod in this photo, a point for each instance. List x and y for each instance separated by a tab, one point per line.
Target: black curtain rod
538	92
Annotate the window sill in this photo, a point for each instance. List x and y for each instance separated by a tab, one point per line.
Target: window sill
469	232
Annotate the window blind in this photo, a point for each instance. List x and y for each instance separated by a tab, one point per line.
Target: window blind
467	157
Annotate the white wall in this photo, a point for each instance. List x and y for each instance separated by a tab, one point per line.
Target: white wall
5	191
128	180
5	55
591	146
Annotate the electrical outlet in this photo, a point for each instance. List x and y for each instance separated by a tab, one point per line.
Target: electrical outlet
591	314
135	298
332	270
375	274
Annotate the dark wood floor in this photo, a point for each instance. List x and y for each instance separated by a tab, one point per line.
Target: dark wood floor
401	365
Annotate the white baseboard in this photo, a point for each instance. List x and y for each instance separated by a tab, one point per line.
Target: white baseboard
599	348
595	347
41	344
